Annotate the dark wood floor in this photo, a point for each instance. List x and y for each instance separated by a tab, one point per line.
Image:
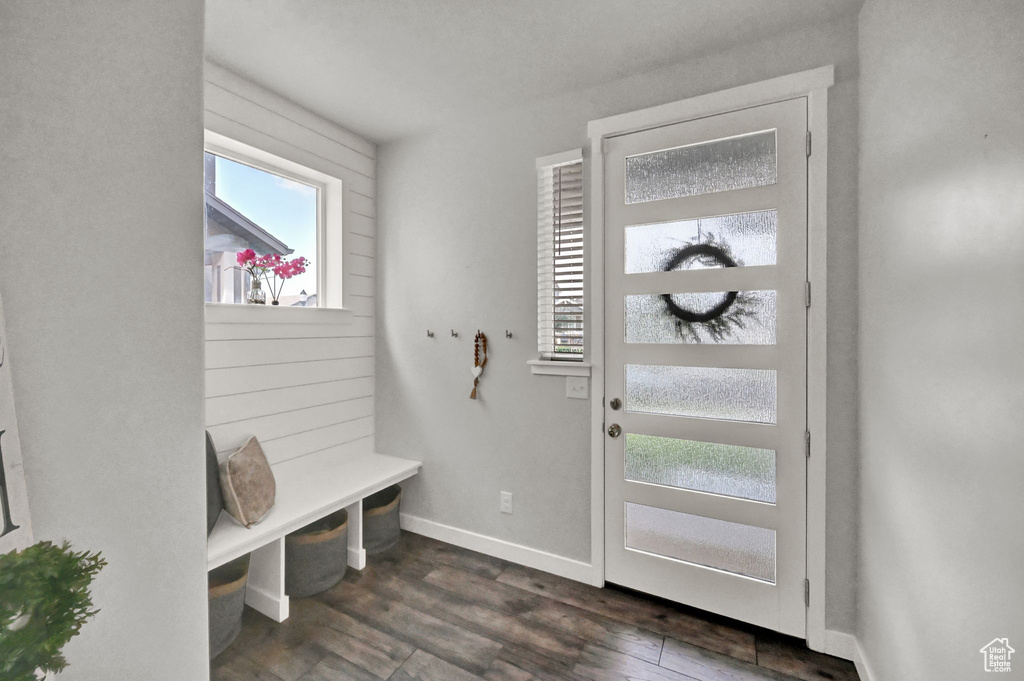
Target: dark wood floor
431	611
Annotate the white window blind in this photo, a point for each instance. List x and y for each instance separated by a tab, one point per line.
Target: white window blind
560	256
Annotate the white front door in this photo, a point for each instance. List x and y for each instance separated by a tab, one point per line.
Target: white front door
705	382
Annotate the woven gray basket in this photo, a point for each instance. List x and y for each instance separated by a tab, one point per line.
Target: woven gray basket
227	602
381	528
315	557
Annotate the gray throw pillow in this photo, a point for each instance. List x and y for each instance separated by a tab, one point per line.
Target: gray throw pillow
214	500
247	484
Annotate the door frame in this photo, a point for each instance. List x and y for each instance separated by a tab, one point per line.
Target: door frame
813	85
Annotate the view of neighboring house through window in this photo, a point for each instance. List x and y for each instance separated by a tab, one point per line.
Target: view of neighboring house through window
248	207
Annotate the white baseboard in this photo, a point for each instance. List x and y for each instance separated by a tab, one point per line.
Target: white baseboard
499	548
861	662
840	644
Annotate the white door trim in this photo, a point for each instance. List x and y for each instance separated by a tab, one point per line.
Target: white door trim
814	85
742	97
817	356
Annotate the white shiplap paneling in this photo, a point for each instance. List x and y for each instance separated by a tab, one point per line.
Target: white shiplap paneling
288	424
301	381
230	408
222	354
235	380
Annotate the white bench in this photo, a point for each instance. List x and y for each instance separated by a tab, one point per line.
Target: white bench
308	488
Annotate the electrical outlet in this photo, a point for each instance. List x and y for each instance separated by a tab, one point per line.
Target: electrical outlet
506	502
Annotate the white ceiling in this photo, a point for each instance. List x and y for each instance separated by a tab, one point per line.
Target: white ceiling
390	68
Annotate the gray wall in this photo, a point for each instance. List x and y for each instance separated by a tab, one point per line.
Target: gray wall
457	249
100	243
941	369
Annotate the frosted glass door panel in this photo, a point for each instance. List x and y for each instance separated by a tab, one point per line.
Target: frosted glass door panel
748	238
702	392
733	163
730	470
748	320
720	544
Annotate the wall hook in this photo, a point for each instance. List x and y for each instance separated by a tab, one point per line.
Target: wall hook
430	334
508	334
455	334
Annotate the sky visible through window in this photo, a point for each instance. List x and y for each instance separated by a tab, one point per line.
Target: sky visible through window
283	207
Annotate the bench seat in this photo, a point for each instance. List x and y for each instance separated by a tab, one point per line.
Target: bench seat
308	488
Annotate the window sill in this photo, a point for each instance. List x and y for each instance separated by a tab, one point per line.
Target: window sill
547	367
237	313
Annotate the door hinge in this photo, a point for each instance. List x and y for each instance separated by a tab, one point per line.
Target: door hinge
807	293
807	442
808	143
807	593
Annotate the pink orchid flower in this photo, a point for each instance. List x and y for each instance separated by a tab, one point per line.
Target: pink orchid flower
261	266
245	256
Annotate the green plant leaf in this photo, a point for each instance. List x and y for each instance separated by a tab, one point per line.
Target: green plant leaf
50	585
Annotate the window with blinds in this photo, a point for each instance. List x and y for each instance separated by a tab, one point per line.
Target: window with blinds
560	256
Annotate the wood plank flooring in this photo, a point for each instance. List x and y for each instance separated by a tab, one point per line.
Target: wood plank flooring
429	611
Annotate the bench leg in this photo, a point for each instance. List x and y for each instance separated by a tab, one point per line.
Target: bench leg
265	590
356	552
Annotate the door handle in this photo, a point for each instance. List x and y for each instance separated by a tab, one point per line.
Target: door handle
614	430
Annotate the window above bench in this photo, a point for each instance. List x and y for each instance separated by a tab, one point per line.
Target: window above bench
256	201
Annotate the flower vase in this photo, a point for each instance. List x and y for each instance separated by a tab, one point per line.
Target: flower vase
257	296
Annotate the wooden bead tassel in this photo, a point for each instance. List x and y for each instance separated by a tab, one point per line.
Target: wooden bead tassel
479	348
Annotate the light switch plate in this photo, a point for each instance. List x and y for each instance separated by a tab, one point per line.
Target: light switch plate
577	387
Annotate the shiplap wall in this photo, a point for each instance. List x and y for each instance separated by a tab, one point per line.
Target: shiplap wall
301	380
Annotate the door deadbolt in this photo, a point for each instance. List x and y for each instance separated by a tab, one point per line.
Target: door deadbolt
615	404
614	430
